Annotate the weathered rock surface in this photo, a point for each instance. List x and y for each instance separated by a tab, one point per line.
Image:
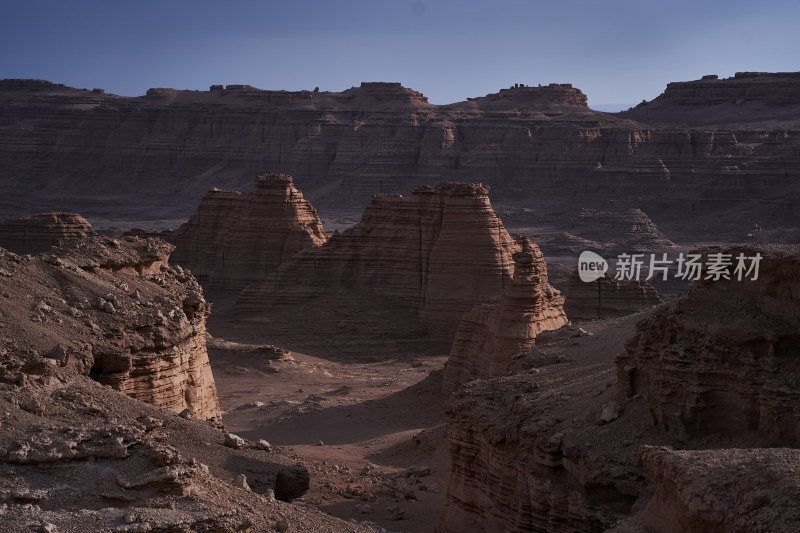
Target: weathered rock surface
606	297
489	335
436	253
526	450
115	310
79	456
39	233
720	360
553	446
720	490
537	144
236	238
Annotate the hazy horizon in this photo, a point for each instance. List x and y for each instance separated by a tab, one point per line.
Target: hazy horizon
620	51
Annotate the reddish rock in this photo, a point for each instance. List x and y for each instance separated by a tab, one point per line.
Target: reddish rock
437	253
490	334
538	144
39	233
115	310
553	445
235	239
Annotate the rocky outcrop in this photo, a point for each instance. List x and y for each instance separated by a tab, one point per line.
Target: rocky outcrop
436	253
553	446
719	490
235	239
162	152
720	359
606	297
39	233
79	456
115	310
530	451
489	335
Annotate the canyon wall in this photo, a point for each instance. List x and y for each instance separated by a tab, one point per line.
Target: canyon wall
96	153
115	310
489	335
234	239
720	360
436	253
555	446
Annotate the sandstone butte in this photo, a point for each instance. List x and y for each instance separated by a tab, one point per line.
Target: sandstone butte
234	238
116	311
490	334
690	158
606	298
39	233
558	448
436	253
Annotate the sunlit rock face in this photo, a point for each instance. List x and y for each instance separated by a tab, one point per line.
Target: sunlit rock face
117	311
234	238
489	335
436	253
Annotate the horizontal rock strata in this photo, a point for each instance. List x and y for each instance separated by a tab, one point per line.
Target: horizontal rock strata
489	335
39	233
540	144
115	310
236	238
437	253
553	446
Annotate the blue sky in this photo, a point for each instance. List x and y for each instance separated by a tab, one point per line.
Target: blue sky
616	51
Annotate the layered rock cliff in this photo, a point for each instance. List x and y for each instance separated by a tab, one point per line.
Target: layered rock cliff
115	310
234	239
527	452
537	144
489	335
436	253
605	297
720	360
553	446
39	233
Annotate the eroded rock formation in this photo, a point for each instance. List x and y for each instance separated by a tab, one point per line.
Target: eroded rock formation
39	233
115	310
605	297
490	334
436	253
79	456
553	446
719	490
720	360
236	238
540	144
